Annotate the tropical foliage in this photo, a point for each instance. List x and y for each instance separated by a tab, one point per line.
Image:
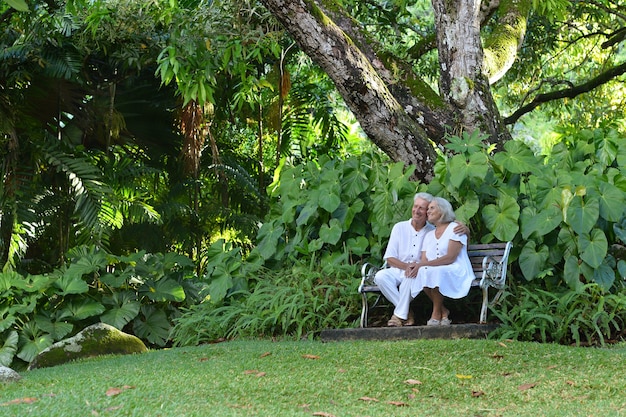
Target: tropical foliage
564	214
141	293
199	130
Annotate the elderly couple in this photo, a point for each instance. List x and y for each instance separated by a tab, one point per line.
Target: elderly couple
429	253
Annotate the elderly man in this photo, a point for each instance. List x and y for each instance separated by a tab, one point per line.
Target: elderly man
403	252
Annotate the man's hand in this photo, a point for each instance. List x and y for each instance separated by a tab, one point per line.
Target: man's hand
461	229
411	270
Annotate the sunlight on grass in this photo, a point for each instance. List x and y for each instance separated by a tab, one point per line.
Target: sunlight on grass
264	378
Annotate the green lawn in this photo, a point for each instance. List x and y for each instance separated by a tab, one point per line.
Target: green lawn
311	378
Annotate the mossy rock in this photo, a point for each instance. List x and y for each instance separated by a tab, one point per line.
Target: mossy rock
8	375
96	340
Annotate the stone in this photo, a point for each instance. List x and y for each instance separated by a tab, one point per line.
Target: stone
96	340
8	375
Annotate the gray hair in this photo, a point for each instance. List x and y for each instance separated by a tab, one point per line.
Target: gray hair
424	196
447	213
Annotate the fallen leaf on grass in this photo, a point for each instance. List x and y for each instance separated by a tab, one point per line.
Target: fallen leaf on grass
398	403
203	359
115	408
413	382
265	354
497	356
254	372
461	376
113	391
368	399
477	393
524	387
25	400
502	344
322	414
307	356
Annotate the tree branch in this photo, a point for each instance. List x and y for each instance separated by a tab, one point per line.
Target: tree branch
567	92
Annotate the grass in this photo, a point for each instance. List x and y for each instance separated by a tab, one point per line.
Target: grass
311	378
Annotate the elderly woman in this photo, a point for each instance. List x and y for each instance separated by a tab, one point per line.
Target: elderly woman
444	269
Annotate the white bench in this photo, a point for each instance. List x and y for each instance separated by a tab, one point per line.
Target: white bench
489	262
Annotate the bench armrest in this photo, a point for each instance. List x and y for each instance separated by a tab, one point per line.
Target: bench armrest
494	269
368	273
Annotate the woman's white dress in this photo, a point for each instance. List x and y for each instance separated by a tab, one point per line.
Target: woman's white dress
454	280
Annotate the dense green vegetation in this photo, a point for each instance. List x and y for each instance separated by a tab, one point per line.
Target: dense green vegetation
182	171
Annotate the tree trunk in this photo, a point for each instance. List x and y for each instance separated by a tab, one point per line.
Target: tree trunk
461	80
402	116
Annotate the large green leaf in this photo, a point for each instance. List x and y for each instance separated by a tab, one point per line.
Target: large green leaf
469	208
620	230
267	238
309	210
154	326
518	158
8	348
57	329
356	207
582	214
329	201
69	284
593	247
87	264
124	308
572	272
358	245
219	286
604	276
607	144
165	289
612	202
32	347
531	260
621	268
81	309
502	218
19	5
331	233
461	168
383	214
354	181
119	316
542	222
116	280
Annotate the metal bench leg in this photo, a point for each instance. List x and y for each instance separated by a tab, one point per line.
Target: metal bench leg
483	308
364	310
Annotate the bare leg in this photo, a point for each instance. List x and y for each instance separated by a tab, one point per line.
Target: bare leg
439	310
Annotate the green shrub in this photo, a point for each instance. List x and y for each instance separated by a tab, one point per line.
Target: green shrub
140	294
293	302
589	315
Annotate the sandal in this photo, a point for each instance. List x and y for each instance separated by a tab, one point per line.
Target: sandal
410	320
395	321
433	322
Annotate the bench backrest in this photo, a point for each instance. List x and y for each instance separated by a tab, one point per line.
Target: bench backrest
477	252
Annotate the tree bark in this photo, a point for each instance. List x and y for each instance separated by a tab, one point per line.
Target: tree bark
461	80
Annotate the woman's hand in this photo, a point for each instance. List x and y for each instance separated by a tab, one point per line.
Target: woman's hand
411	270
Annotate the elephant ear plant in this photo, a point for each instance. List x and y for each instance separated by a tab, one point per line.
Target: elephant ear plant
139	293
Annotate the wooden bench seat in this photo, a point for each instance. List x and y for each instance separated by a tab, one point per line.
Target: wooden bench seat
489	262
